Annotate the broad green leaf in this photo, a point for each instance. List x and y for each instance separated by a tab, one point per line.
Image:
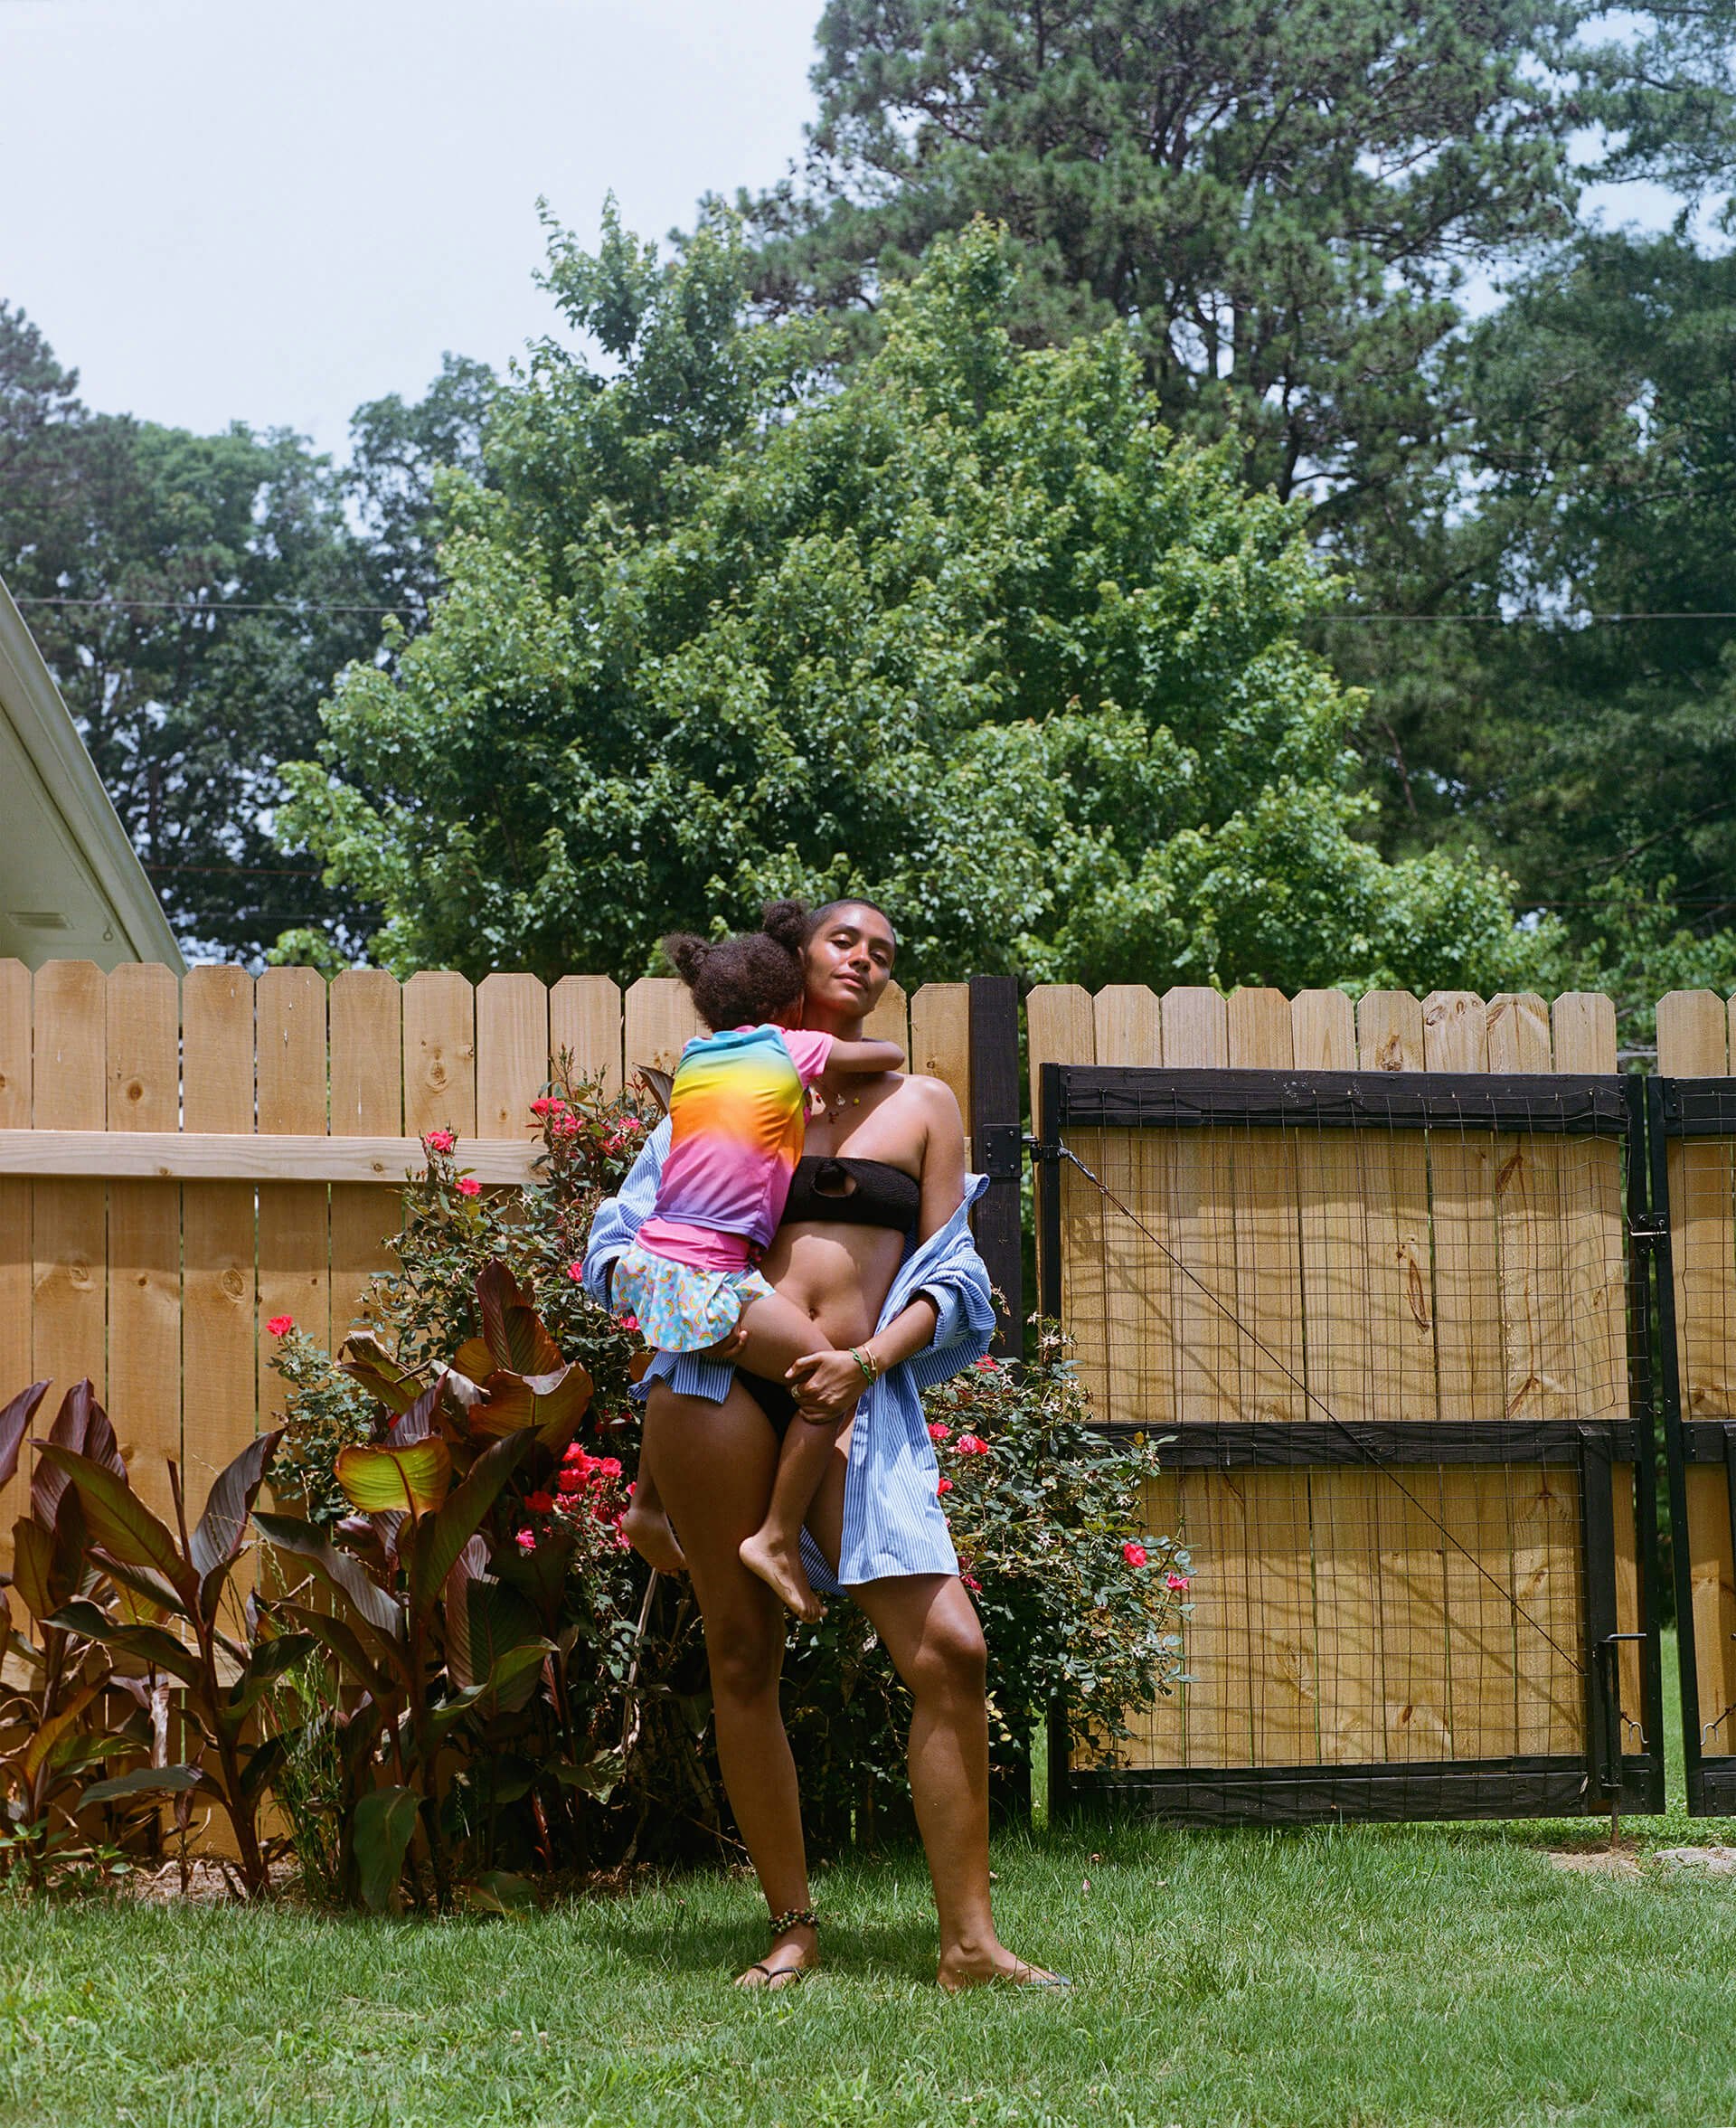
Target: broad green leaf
265	1666
443	1537
39	1749
385	1817
15	1423
412	1481
339	1641
150	1643
342	1572
499	1891
473	1360
120	1522
222	1530
597	1776
155	1781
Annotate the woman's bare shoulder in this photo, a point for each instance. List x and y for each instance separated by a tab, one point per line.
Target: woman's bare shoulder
935	1099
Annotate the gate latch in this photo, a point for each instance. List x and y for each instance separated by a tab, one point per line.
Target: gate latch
998	1147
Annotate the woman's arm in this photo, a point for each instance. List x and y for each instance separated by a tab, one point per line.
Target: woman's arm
619	1219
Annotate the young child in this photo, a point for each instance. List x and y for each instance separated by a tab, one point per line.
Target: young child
736	1111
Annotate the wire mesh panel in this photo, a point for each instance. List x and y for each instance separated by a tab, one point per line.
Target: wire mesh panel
1693	1165
1382	1318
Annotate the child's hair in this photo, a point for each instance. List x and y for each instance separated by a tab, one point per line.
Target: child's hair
745	980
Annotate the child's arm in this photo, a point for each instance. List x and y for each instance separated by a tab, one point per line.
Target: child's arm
865	1056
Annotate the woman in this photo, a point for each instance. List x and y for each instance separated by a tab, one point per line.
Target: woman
896	1276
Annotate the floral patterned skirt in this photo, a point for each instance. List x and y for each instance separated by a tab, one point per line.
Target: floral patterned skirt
681	1308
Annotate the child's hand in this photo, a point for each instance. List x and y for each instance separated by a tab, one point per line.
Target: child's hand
826	1385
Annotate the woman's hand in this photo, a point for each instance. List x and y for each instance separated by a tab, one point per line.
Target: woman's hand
826	1385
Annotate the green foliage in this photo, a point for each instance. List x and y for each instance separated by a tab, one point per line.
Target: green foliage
970	632
1080	1603
215	584
1283	203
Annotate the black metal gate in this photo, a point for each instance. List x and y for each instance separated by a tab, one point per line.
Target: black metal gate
1394	1331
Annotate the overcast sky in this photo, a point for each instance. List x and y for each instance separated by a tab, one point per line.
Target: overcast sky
270	214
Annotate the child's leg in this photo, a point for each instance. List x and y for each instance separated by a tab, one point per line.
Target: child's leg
647	1529
776	1333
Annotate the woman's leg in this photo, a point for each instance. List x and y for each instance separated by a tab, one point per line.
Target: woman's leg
714	1465
931	1631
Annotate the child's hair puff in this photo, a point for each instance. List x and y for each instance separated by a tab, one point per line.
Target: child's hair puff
748	979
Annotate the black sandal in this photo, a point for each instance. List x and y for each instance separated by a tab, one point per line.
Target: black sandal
781	1925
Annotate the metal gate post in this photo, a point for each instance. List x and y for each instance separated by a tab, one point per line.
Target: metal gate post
998	1146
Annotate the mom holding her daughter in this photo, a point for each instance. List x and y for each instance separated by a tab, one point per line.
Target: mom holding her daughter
869	1291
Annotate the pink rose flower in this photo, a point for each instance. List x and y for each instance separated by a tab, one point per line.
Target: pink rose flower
575	1272
280	1326
438	1141
468	1187
993	1365
610	1466
1178	1582
970	1444
1135	1555
525	1540
970	1582
628	1322
937	1431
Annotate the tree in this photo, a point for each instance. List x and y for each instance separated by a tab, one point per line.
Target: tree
968	632
1282	202
1597	760
193	596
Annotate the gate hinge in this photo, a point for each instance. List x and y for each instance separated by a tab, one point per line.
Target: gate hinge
1041	1149
998	1148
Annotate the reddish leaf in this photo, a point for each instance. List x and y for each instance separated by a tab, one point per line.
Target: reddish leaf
120	1522
15	1423
444	1536
511	1326
216	1541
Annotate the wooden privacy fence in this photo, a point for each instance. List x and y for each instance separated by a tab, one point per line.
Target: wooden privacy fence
182	1160
1370	1270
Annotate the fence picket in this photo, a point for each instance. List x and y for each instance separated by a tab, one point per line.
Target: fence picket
69	1310
439	1023
659	1020
585	1018
294	1217
143	1010
219	1336
941	1037
365	1010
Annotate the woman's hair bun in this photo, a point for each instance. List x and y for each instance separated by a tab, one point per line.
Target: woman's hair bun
789	923
688	953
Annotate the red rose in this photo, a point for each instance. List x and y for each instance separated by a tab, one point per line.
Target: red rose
280	1326
937	1431
438	1141
610	1466
525	1540
994	1366
942	1485
575	1272
540	1503
571	1481
970	1444
1176	1581
468	1187
1135	1555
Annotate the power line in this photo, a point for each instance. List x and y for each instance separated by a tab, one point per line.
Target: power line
300	610
1526	620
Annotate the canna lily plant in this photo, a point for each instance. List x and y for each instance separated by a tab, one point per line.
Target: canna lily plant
434	1617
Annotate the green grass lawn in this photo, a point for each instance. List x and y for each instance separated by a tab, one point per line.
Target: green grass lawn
1371	1975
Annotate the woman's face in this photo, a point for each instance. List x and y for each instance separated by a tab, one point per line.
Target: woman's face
850	962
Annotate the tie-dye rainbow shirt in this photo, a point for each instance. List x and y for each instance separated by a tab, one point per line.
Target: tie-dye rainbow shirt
736	1132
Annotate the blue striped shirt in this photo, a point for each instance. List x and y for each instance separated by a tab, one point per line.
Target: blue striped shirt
893	1522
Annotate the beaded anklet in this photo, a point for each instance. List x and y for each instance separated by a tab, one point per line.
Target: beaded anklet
795	1917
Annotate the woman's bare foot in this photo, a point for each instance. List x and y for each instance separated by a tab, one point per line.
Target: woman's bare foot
649	1532
781	1567
789	1961
963	1968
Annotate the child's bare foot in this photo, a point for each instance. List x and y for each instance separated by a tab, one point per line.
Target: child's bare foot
781	1567
648	1531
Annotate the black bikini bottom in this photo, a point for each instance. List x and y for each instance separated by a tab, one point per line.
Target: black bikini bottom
774	1398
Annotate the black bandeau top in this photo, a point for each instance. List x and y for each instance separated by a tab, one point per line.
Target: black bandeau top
821	1190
